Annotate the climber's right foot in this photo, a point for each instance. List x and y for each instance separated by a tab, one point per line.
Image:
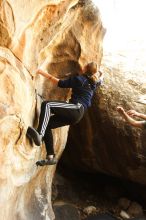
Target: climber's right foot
34	135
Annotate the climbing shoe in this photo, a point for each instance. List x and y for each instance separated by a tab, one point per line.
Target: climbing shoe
50	161
34	135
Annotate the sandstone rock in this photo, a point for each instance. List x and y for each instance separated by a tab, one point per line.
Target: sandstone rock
135	210
124	215
124	203
31	32
107	144
89	210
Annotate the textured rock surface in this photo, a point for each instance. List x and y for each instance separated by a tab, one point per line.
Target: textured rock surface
30	32
106	143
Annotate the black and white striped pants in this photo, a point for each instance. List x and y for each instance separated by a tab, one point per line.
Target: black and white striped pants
56	114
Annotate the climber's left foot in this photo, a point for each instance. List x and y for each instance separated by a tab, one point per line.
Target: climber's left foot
48	161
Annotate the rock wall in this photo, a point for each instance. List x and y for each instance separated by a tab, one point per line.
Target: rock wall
107	144
63	33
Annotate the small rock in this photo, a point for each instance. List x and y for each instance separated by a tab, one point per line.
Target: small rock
135	210
124	214
124	203
90	210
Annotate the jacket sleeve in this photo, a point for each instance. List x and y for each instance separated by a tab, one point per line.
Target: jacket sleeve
71	82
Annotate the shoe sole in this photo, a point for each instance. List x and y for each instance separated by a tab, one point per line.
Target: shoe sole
33	134
45	163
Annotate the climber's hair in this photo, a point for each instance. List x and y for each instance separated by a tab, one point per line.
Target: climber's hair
91	72
91	68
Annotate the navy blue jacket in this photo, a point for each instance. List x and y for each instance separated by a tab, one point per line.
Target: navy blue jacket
82	89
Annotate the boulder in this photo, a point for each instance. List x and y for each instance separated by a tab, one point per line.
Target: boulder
90	210
107	144
32	32
135	210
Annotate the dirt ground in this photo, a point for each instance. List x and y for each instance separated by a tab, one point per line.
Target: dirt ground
101	191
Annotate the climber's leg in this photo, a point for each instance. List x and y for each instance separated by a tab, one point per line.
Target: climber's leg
37	135
66	111
62	109
54	122
61	118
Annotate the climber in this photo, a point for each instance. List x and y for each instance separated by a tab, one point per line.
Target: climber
128	116
56	114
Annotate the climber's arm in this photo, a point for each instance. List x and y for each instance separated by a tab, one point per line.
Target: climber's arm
130	120
137	114
53	79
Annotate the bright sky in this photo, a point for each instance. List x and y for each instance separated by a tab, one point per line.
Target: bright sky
125	23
